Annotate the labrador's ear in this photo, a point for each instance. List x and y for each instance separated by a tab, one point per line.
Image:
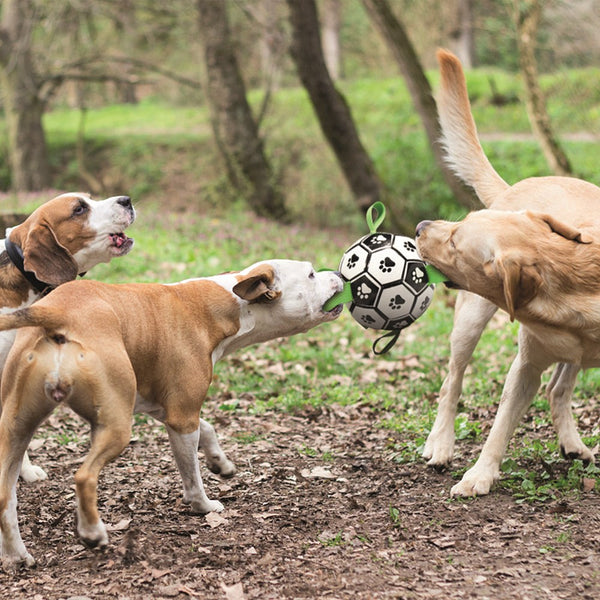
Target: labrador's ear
44	256
257	285
520	283
563	229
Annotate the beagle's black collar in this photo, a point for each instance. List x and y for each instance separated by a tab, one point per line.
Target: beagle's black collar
15	253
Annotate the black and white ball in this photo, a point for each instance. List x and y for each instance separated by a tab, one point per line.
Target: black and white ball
390	287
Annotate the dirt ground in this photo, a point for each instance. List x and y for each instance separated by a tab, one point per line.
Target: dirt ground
358	525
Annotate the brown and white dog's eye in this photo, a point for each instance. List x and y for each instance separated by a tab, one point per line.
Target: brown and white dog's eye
80	209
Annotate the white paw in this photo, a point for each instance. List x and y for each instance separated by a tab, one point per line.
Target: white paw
11	563
221	465
94	536
474	483
439	450
204	507
31	474
573	450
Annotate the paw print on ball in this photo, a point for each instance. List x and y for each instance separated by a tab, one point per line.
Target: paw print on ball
363	291
386	265
418	275
408	245
397	302
352	261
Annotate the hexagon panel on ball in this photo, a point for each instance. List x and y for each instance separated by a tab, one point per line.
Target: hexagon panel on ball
354	262
369	318
386	266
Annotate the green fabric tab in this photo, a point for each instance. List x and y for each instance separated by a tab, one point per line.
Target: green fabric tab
340	298
434	275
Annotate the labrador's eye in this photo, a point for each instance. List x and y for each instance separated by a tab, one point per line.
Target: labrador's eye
311	275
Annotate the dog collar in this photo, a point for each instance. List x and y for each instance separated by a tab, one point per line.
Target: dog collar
15	253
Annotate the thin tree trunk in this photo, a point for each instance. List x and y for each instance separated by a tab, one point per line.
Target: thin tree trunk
527	17
23	108
420	90
331	37
330	106
235	129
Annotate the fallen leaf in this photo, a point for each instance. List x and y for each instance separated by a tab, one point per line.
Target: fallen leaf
120	526
317	473
215	520
234	592
588	484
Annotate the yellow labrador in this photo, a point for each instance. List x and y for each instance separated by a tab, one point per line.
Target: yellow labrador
567	202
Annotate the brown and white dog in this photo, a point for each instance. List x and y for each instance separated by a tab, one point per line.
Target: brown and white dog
567	206
109	350
64	237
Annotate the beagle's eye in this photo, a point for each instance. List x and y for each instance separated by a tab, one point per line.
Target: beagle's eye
80	209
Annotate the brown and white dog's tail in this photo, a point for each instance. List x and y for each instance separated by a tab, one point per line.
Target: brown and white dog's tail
459	137
33	316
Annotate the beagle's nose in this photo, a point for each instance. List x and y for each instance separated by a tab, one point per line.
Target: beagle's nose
420	227
124	201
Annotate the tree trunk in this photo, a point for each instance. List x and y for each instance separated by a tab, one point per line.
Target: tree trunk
332	18
461	34
27	150
527	17
420	90
235	130
330	106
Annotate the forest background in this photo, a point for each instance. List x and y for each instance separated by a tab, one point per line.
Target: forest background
304	111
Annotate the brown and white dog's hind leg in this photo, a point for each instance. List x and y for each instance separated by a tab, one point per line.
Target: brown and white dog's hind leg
185	450
31	473
16	430
108	441
559	392
471	315
216	459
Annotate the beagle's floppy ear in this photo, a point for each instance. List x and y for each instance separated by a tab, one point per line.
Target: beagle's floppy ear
563	229
44	256
520	283
256	286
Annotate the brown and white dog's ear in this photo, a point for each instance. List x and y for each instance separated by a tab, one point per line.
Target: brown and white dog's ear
44	256
520	283
256	286
567	231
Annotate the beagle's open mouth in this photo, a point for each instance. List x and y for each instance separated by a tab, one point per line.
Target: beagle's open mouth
120	243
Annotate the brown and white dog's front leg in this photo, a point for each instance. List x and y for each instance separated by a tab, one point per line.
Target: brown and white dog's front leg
185	450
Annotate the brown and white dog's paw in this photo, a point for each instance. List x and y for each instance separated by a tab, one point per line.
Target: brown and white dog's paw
12	563
204	506
30	473
221	465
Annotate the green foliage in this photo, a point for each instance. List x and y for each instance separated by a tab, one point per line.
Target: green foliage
165	154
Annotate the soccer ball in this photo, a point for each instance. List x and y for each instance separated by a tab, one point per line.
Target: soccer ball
390	286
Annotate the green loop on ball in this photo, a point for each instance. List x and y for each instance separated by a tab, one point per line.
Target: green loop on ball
379	209
342	297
